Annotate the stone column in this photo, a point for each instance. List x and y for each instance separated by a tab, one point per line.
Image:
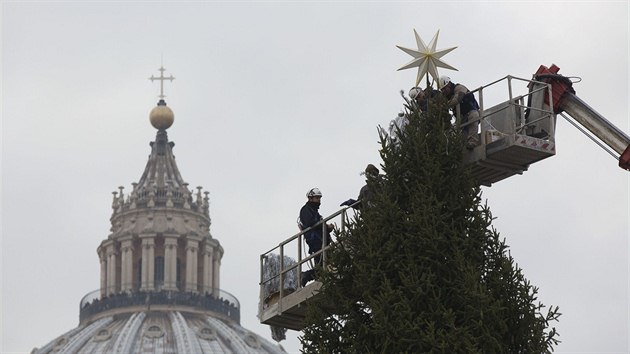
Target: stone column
216	266
111	269
192	252
170	262
148	262
144	266
207	269
123	268
102	255
126	273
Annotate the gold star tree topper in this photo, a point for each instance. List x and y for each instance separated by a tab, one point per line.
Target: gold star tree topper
426	58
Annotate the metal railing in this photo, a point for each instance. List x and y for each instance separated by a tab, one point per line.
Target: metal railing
155	286
520	103
293	248
208	299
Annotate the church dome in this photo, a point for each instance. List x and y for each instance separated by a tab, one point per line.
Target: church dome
160	331
160	271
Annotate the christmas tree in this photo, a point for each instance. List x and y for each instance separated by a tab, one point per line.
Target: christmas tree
420	269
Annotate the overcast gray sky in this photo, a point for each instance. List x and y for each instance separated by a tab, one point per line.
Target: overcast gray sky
271	99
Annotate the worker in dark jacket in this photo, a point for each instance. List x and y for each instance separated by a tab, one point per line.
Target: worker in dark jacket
365	194
421	97
309	216
458	94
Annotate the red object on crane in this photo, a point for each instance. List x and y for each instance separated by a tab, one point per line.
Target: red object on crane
559	84
563	98
624	159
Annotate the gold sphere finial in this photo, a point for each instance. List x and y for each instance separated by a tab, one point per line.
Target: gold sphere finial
162	116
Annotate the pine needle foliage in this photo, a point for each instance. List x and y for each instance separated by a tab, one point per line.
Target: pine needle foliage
421	269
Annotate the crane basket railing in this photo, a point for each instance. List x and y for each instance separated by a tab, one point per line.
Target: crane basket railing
284	264
529	113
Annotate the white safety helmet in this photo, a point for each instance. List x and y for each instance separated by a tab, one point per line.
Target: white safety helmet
314	192
414	92
443	81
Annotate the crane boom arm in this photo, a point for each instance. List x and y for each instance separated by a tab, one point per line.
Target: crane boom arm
564	99
595	123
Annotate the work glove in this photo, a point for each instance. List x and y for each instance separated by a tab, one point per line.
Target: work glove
348	202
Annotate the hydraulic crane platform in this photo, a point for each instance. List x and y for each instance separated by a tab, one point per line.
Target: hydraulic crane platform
289	311
507	157
286	306
514	134
521	130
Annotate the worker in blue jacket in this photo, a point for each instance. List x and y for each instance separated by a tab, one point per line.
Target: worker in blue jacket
458	94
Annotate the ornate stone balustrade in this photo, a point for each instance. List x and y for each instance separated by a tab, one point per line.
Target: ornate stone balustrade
214	300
